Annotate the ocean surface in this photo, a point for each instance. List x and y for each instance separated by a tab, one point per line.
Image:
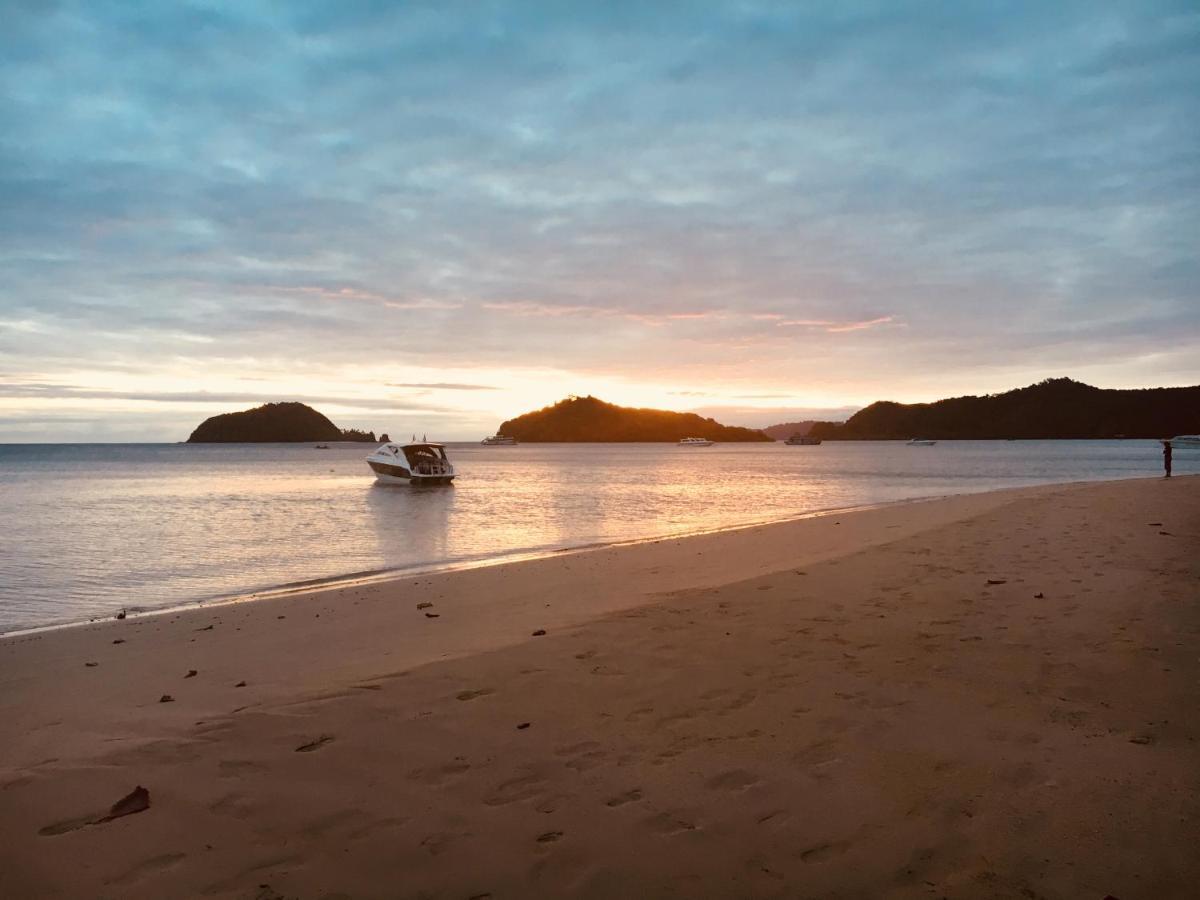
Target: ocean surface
88	529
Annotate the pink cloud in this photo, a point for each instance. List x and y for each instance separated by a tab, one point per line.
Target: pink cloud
833	326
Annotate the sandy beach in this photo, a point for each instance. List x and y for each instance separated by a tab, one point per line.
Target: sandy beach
991	695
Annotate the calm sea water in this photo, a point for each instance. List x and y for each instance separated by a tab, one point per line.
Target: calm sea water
88	529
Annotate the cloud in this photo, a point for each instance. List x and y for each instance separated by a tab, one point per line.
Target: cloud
834	327
72	392
854	195
446	386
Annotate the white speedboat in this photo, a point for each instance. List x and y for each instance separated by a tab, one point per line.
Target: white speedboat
499	440
802	440
695	442
1186	442
921	442
415	463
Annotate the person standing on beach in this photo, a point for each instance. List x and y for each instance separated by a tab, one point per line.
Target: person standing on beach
1167	458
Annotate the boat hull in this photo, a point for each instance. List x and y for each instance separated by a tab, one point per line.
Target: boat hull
390	473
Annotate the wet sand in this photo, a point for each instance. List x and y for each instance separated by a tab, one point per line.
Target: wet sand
982	696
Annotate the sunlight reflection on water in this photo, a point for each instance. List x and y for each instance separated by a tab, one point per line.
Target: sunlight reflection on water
89	529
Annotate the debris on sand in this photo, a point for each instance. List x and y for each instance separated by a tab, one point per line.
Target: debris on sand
539	632
121	614
430	615
997	581
166	698
240	684
191	673
1039	596
523	726
424	605
136	801
313	745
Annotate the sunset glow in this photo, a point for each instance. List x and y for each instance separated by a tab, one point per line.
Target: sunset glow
435	220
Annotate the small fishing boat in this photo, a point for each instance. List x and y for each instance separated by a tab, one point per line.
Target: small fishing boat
499	440
1185	442
695	442
414	463
921	442
802	440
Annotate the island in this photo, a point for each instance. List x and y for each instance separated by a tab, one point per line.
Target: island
589	420
1054	408
274	423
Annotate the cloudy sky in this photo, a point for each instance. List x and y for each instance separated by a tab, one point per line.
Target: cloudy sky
431	217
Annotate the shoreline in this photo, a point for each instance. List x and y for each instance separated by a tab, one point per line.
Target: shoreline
991	693
385	575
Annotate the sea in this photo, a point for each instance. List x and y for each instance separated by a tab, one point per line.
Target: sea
89	529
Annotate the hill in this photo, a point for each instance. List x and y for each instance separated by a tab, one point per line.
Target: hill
273	423
785	430
1054	408
586	419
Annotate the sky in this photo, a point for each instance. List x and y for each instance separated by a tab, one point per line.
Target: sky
433	217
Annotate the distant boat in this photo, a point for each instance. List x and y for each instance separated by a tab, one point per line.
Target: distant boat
802	440
415	463
921	442
695	442
1186	441
499	440
321	447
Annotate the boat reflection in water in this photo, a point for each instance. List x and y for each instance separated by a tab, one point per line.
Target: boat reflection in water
412	528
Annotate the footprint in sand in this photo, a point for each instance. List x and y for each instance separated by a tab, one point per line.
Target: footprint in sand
471	695
437	775
437	843
667	824
576	749
822	852
151	866
734	780
627	797
523	787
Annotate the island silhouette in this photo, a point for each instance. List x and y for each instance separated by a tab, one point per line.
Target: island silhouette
590	420
1054	408
274	423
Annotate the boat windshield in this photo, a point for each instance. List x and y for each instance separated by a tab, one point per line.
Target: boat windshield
420	453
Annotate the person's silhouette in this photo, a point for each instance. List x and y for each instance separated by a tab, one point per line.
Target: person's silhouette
1167	458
